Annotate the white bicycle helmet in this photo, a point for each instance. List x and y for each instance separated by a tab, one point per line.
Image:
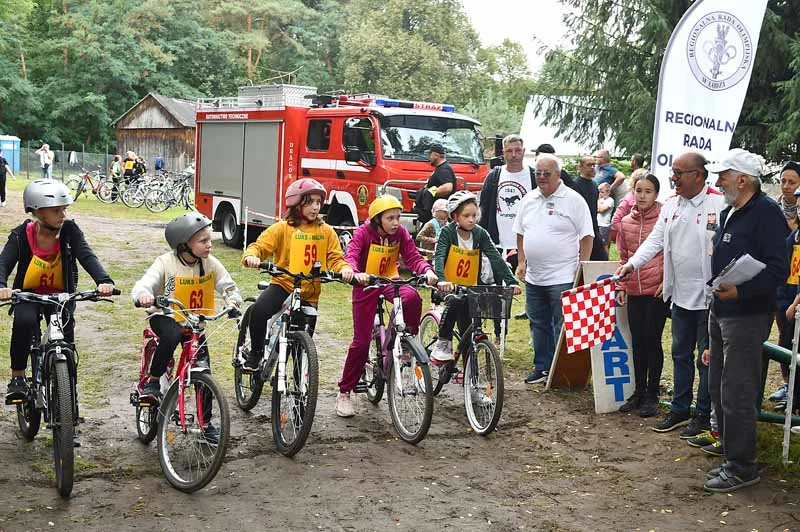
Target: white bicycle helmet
457	198
45	193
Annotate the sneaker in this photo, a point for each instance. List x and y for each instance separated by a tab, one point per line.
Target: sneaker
521	316
151	389
671	422
649	407
76	438
715	471
727	482
497	342
443	351
780	406
211	434
696	426
795	429
779	394
714	449
706	437
536	376
2	203
17	389
253	360
633	403
344	405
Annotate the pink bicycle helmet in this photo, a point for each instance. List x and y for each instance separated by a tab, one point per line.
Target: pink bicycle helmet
300	188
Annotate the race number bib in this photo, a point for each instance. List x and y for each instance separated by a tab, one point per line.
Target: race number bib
382	260
794	268
196	293
461	266
306	249
44	277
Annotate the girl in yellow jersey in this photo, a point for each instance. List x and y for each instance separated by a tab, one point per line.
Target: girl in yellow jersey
45	252
295	243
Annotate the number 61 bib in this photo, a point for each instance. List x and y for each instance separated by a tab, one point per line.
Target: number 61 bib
461	266
196	293
306	249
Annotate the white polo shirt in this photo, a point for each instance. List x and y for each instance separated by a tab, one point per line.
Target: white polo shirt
552	228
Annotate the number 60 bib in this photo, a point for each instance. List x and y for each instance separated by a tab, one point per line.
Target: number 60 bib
461	266
382	260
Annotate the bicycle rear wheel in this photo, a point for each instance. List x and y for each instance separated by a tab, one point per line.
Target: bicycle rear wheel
373	374
133	196
247	386
293	409
483	387
410	401
189	455
146	423
158	200
106	192
29	418
61	418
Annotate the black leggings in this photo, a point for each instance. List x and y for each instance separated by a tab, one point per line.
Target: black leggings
455	311
26	326
268	303
2	186
647	316
170	334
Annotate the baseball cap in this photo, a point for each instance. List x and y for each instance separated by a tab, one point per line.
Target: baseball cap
546	148
740	160
438	148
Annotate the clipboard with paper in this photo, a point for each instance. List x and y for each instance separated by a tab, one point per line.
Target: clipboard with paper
738	271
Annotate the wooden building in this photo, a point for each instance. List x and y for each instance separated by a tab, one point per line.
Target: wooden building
158	126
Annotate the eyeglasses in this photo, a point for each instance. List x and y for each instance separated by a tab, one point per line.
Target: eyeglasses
681	173
543	174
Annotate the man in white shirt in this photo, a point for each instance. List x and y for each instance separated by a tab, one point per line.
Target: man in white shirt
554	231
684	231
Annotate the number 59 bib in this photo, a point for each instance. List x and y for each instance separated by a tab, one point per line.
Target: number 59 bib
461	266
196	293
382	260
306	249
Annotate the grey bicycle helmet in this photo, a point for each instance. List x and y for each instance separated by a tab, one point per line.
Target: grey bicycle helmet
182	229
457	198
45	193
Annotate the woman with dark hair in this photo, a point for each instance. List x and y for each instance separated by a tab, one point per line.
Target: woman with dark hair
647	311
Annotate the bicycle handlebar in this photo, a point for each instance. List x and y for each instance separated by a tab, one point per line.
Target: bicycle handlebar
165	303
324	276
61	297
377	281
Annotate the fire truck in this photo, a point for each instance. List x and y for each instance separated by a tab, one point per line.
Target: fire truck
249	148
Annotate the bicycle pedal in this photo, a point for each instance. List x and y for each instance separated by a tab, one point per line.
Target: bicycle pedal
14	400
361	387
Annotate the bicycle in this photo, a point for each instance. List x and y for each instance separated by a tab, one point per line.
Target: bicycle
398	359
482	370
188	458
98	184
51	386
169	193
290	362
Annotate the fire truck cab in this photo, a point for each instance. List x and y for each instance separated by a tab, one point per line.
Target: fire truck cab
251	147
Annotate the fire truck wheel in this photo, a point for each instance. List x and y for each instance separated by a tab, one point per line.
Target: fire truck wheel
232	230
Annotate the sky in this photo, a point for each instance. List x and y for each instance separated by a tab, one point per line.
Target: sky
518	20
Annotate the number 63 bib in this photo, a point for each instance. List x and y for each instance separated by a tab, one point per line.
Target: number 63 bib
196	293
306	249
461	266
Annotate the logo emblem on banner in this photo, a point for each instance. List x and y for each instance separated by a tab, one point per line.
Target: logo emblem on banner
719	51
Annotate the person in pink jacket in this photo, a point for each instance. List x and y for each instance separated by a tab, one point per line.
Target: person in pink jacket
374	250
642	291
625	205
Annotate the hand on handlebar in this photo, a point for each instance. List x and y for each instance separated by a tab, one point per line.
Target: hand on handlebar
105	289
362	278
252	262
146	300
431	278
445	286
347	275
517	290
5	294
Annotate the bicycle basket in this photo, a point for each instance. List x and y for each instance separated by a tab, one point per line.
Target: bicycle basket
490	302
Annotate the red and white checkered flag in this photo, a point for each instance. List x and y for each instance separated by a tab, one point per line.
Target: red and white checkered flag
589	316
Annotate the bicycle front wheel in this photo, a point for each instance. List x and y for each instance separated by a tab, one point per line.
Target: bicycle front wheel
293	408
133	196
410	393
61	418
246	386
483	387
106	192
157	200
428	335
190	447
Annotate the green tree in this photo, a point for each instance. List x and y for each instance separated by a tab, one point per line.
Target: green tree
496	114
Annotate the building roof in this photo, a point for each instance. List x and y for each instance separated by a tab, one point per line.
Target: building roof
183	111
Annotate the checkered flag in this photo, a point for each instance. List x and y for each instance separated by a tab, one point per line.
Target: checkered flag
589	316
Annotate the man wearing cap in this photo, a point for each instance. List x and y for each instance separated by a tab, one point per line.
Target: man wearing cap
441	183
741	315
684	231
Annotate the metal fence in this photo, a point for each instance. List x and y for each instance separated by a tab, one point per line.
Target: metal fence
72	161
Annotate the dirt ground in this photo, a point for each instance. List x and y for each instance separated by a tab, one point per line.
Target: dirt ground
553	464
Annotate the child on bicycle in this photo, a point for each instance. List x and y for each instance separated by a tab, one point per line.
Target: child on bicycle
190	274
295	243
465	255
374	250
45	251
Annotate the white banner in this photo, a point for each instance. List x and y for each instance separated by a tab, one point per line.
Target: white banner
704	78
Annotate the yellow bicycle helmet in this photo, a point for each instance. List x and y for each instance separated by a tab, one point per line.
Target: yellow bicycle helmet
384	203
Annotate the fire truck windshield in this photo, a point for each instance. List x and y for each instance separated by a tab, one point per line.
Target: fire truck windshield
409	138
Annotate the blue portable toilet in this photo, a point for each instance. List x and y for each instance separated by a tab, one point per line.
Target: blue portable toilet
10	146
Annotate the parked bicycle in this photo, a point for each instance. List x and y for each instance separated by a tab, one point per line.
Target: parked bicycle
51	386
189	456
481	374
290	362
397	359
175	189
96	181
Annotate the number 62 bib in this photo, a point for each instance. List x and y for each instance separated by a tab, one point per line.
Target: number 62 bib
461	266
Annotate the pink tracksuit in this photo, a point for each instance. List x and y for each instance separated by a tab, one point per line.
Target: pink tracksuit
365	303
